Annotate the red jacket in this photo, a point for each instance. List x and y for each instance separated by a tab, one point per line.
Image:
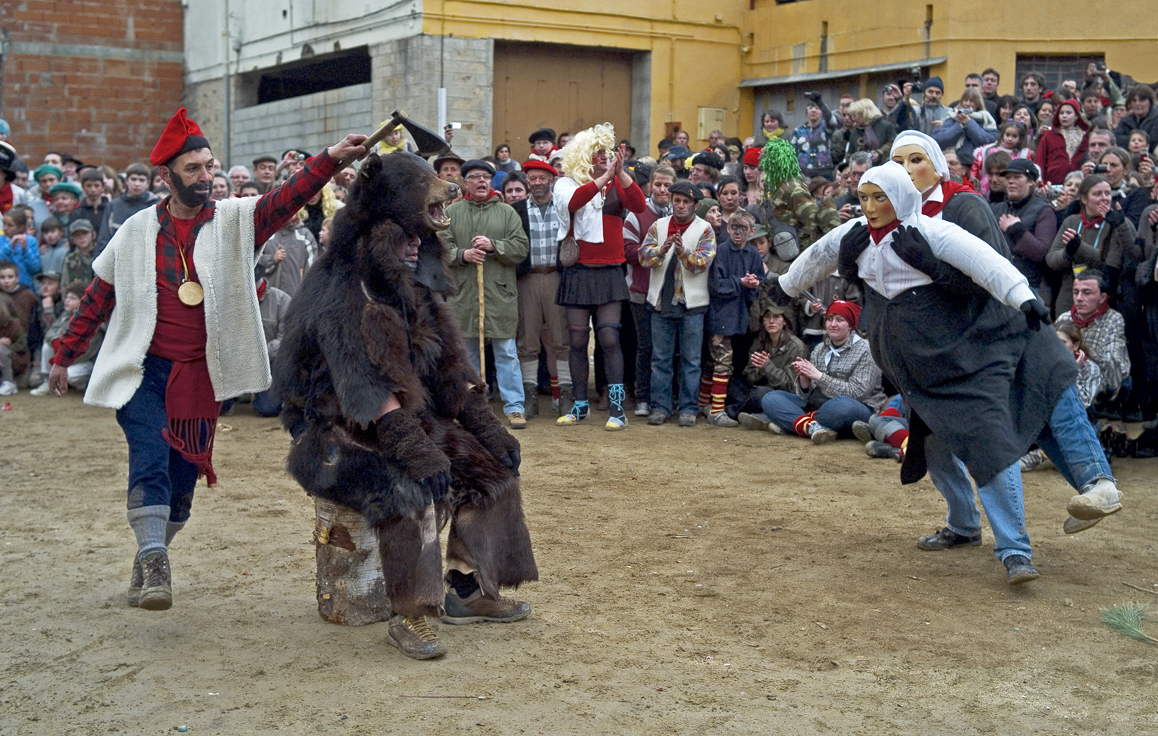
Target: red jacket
1051	156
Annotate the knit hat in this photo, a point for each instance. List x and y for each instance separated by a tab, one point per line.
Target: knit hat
5	129
687	189
540	165
47	169
935	82
704	205
848	310
752	156
542	134
779	163
67	186
181	135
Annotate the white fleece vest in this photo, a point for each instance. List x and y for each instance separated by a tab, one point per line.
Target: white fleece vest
695	284
224	257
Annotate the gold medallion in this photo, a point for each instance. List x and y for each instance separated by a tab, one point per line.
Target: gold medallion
190	293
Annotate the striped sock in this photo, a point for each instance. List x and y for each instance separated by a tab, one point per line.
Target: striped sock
804	423
890	412
898	439
705	390
555	387
719	393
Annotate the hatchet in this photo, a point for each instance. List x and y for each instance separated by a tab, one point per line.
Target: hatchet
429	144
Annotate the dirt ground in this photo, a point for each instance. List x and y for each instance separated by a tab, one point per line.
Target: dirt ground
693	581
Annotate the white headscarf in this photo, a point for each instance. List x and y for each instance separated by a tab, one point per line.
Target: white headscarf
931	147
894	181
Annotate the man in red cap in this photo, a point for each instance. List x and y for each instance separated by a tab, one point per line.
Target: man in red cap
186	333
841	384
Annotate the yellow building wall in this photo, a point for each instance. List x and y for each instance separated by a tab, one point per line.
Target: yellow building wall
694	46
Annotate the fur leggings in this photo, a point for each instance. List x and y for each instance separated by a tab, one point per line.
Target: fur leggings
607	318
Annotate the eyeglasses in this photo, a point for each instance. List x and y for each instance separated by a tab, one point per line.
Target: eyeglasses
476	177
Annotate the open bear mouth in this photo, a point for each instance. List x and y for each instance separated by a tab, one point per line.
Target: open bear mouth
435	217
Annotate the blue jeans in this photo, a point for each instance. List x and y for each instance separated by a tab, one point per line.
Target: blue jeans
508	374
839	412
1071	444
158	475
689	331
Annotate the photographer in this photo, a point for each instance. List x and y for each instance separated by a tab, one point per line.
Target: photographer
813	140
970	127
929	114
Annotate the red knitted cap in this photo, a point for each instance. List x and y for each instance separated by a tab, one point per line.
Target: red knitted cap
181	135
752	156
848	310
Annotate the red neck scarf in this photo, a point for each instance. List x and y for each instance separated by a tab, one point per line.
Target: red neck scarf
5	198
1094	223
261	289
878	233
1084	323
948	189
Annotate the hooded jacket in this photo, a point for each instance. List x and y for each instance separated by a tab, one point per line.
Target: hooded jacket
1051	156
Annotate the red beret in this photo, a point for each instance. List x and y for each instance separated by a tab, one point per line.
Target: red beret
848	310
181	136
542	165
752	156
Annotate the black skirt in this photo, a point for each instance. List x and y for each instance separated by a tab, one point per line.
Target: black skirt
584	286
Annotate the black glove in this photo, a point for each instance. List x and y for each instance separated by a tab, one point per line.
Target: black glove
1115	217
774	292
911	246
1073	245
512	460
852	245
403	440
1036	313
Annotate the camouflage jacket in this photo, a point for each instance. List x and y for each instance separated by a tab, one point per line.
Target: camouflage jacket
792	205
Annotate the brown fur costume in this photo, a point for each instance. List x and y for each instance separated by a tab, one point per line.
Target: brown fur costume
365	326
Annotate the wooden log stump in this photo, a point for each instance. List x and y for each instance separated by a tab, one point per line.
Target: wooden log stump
351	589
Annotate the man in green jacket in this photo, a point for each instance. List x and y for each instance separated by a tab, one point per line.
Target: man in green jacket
486	233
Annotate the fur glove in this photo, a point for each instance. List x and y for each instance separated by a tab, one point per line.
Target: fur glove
401	436
478	419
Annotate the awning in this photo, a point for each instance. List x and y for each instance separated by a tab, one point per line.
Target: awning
841	73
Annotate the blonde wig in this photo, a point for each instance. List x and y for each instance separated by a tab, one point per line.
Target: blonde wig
330	204
583	146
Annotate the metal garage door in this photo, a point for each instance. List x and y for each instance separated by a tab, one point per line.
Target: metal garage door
567	88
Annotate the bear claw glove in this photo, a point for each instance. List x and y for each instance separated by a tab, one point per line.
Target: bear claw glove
478	419
403	440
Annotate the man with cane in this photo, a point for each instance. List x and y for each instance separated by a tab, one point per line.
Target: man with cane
487	241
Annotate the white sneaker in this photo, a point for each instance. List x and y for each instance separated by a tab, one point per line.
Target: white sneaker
1102	499
41	390
7	388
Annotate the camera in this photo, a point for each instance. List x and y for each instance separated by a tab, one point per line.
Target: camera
1056	189
965	109
812	95
1099	169
918	87
299	157
857	211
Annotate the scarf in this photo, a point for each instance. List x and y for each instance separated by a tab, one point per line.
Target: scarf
1073	138
1084	323
878	233
1094	223
948	189
6	197
261	289
834	351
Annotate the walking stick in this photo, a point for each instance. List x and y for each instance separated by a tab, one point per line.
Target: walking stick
482	315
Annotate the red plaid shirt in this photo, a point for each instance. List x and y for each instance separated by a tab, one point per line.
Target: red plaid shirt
273	210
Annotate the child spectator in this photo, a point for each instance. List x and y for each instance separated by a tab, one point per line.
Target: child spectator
136	198
24	301
78	263
769	365
827	402
19	247
94	202
53	245
13	338
79	371
51	301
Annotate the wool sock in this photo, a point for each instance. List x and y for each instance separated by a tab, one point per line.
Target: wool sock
719	393
803	424
890	412
554	388
171	529
705	391
897	439
149	524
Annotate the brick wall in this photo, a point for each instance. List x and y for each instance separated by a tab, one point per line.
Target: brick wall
95	78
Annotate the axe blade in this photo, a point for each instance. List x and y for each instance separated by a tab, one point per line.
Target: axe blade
429	143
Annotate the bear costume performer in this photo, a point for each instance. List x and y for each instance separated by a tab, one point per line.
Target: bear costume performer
386	414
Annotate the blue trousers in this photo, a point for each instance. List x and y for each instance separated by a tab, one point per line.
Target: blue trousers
838	413
158	475
688	331
508	374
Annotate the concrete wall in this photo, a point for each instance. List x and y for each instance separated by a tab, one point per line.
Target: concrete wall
407	73
310	122
98	80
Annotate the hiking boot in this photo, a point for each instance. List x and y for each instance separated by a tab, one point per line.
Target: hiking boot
414	638
641	409
946	538
753	421
722	420
156	581
883	450
1019	570
135	583
820	434
862	431
656	418
1073	526
531	400
1102	499
687	420
476	609
517	420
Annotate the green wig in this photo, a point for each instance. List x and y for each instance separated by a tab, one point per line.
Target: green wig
779	163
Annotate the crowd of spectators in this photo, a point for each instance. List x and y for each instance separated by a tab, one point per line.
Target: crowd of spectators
676	249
